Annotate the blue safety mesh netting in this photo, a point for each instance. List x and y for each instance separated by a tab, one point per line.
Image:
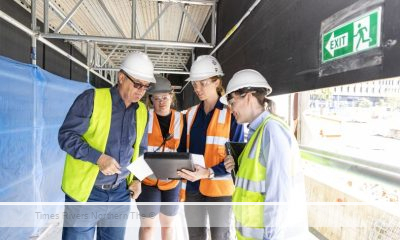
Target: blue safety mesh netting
33	105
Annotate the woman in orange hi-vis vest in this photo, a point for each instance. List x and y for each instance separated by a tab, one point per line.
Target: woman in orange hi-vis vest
164	133
209	126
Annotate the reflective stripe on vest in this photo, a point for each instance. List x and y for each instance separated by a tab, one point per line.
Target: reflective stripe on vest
190	116
79	176
250	187
218	132
248	232
216	140
155	139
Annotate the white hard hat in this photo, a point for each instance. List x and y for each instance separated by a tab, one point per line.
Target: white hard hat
162	85
246	78
139	66
204	67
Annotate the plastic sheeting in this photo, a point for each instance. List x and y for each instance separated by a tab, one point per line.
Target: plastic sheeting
33	105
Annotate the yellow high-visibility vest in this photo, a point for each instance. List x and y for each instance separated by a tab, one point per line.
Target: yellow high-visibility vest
79	176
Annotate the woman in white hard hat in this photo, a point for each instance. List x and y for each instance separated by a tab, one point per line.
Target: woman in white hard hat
269	166
209	126
164	134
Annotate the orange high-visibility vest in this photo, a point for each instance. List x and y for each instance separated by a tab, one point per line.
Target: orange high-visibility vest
218	132
155	139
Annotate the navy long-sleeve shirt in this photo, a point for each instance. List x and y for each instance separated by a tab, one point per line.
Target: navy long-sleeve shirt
120	140
198	135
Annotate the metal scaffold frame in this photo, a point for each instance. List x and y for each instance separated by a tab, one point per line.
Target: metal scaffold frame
105	51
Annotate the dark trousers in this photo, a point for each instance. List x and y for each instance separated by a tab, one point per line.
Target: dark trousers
219	217
80	220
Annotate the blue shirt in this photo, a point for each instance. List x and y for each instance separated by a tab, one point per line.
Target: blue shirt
198	135
120	140
279	155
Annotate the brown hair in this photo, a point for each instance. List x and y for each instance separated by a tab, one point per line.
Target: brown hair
220	88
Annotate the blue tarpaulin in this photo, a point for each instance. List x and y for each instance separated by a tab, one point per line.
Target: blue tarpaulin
33	105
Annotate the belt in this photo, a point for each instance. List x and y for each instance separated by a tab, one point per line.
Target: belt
108	186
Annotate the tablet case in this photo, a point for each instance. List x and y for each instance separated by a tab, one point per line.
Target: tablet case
234	149
165	164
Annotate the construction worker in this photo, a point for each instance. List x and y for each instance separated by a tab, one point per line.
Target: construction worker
103	132
269	167
210	125
164	134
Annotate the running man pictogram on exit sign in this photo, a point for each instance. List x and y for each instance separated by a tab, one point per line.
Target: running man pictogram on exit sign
359	34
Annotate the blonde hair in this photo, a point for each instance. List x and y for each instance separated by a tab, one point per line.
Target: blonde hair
220	88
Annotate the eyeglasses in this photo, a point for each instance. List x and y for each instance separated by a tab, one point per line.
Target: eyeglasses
160	98
202	83
137	84
231	101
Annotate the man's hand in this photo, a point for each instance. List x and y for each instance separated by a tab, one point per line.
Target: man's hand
135	188
108	165
229	163
200	173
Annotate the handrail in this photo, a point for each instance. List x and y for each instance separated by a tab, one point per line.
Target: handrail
387	172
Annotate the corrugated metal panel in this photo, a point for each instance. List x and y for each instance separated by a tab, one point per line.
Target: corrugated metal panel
198	15
145	17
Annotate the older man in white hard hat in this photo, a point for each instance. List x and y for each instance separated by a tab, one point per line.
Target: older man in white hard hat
103	132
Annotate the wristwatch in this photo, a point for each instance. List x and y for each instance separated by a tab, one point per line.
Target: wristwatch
210	173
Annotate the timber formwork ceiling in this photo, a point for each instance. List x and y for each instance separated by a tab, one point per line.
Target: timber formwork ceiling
167	30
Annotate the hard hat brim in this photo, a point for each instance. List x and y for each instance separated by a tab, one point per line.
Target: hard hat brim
141	77
223	99
158	91
200	78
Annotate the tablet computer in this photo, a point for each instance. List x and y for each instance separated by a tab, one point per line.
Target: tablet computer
235	149
165	164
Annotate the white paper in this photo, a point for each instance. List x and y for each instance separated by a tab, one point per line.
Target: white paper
198	159
140	169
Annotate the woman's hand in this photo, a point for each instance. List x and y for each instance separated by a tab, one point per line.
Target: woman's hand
199	173
229	163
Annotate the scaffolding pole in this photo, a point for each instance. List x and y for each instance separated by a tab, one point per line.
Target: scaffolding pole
126	41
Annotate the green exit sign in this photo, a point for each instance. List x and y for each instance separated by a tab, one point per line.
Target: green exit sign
359	34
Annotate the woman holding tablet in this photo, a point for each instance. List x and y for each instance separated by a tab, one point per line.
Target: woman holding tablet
209	126
164	134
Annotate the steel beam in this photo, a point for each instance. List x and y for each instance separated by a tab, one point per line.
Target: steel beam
110	16
127	41
34	29
198	2
160	56
133	20
69	16
193	24
62	16
180	61
109	55
156	71
155	21
46	16
213	24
